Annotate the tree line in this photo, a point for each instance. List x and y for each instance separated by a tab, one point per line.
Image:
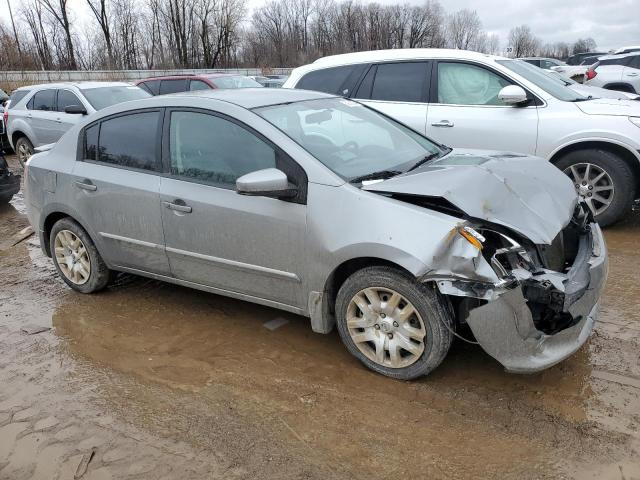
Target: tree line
164	34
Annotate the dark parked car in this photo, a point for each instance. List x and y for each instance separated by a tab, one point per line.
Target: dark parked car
578	58
186	83
9	183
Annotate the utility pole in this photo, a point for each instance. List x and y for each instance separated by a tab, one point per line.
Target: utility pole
15	34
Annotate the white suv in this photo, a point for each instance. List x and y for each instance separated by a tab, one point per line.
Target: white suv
616	72
471	100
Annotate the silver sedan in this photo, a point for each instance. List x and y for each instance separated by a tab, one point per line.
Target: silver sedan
323	207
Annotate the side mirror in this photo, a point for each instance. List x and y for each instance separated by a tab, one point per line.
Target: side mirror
269	182
513	95
75	109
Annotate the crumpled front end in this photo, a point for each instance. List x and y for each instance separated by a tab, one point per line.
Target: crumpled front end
544	303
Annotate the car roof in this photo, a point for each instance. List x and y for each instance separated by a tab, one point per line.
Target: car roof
619	55
79	85
193	76
256	97
399	54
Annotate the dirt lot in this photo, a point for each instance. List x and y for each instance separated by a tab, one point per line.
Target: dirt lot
165	382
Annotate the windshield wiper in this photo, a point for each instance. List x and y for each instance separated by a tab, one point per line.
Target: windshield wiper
380	175
424	160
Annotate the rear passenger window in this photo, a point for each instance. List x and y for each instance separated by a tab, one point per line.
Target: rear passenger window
127	141
173	86
198	85
400	82
66	99
328	80
44	100
215	150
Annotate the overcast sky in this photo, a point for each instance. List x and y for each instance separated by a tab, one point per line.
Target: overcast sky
611	23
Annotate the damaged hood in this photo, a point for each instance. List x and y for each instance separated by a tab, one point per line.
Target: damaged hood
526	194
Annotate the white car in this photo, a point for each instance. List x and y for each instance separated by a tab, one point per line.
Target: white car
616	72
471	100
591	91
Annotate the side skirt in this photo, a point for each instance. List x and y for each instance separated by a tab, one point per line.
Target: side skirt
219	291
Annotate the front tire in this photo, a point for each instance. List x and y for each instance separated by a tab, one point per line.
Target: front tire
24	150
392	324
76	257
604	180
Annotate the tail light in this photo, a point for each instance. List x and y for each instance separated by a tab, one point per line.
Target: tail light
591	74
5	116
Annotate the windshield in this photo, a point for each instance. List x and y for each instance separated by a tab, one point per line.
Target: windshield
235	82
103	97
540	78
349	138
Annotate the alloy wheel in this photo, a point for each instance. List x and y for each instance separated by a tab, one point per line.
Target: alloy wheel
593	184
24	153
386	327
72	257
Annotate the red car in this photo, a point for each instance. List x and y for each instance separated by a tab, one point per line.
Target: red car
185	83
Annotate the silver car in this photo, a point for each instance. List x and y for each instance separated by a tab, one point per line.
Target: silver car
41	114
321	206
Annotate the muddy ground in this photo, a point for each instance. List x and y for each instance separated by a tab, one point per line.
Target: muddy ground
161	381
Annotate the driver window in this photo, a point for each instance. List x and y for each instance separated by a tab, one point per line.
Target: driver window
214	150
465	84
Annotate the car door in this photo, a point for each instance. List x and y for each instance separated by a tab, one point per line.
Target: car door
41	116
65	121
116	184
465	110
250	245
631	73
398	89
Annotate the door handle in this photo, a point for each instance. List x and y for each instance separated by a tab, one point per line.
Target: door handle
633	74
58	120
443	123
86	185
177	206
29	115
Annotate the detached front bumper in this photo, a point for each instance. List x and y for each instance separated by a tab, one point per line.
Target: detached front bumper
505	329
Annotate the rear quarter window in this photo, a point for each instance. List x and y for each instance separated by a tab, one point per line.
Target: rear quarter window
16	97
331	80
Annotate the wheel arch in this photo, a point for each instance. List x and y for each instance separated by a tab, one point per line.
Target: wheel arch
16	135
625	153
322	304
620	86
49	218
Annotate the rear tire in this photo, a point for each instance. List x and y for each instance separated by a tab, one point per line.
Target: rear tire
24	150
618	174
403	313
76	257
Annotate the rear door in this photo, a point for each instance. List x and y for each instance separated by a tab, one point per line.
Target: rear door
398	89
251	245
42	117
631	73
116	189
465	111
65	121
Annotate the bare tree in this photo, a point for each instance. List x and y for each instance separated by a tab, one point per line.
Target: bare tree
100	10
584	45
58	11
463	29
523	42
